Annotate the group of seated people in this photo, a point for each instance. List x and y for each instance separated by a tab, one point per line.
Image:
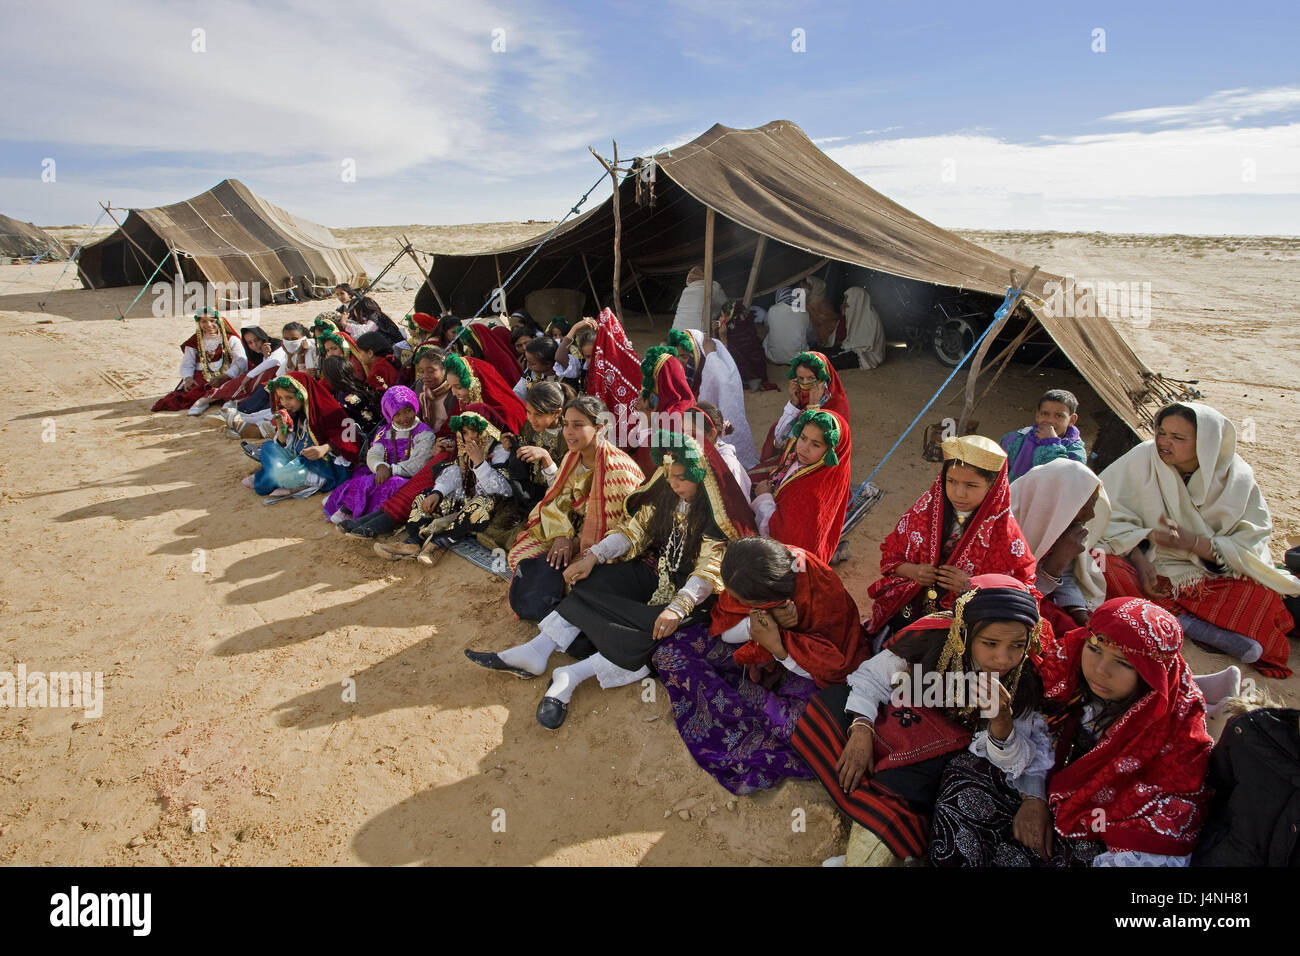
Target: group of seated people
648	536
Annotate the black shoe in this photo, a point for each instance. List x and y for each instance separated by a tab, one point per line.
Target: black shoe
252	451
347	524
551	712
494	663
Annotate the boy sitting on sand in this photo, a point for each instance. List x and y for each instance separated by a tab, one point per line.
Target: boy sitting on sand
1053	435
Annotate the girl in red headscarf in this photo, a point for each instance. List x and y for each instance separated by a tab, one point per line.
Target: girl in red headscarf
492	344
961	527
211	357
666	398
813	384
681	519
315	442
803	504
783	628
1132	750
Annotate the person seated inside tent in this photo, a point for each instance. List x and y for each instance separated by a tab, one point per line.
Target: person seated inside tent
400	449
583	504
539	359
315	442
690	306
827	323
789	330
375	353
573	354
1189	529
961	527
783	628
714	378
211	357
1053	435
535	453
804	503
465	494
812	383
250	416
880	744
657	572
1054	505
1130	740
864	333
737	328
703	421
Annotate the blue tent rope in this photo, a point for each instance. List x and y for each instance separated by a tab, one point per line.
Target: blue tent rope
997	317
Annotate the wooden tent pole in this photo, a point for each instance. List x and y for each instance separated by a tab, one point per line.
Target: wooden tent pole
591	282
127	235
1003	359
973	376
650	319
428	279
760	247
707	309
496	261
618	226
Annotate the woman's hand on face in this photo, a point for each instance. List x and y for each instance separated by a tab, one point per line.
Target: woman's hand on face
665	624
952	579
817	394
579	569
786	614
858	758
793	390
476	448
1032	826
558	554
995	700
764	630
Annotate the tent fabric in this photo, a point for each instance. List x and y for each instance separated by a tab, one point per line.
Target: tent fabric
772	181
227	234
22	240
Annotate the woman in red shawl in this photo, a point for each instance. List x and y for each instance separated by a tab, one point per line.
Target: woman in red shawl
681	520
666	397
784	628
315	442
803	504
1132	750
961	527
491	343
813	383
211	357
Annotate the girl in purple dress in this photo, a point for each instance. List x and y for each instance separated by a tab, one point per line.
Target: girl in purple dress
400	449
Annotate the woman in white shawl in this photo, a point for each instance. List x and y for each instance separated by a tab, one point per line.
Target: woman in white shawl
714	377
1056	511
864	333
1189	529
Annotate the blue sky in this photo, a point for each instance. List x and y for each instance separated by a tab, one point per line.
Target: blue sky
974	115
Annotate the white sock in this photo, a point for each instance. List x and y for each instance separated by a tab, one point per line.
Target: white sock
532	656
1216	687
565	680
340	516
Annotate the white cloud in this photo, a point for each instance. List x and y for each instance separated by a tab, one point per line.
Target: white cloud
1223	106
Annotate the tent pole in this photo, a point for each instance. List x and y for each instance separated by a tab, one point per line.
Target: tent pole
428	279
496	261
760	247
147	257
612	167
706	317
973	375
591	282
1004	358
650	319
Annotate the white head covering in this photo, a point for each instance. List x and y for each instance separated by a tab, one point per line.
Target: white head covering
1045	502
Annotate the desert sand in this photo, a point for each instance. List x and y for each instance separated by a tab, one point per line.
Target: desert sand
226	630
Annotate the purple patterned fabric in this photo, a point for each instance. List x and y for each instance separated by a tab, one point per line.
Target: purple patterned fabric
358	494
735	729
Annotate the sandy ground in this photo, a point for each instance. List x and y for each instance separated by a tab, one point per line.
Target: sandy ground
226	630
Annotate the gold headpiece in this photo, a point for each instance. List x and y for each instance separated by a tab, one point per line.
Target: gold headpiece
975	450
